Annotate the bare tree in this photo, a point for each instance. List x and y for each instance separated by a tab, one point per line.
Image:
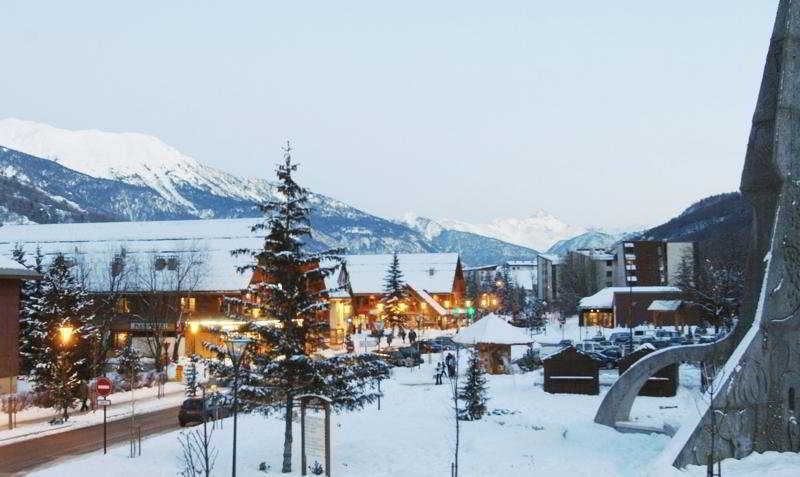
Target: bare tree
164	285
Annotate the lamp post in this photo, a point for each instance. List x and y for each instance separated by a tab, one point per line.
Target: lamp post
236	350
66	337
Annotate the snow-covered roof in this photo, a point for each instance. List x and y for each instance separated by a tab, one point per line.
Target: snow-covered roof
93	246
553	258
11	269
492	329
605	297
664	305
429	300
431	272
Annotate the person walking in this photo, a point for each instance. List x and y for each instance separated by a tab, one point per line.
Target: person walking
412	337
402	334
389	339
439	373
450	361
83	393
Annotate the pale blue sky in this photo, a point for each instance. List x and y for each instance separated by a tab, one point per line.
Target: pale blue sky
603	113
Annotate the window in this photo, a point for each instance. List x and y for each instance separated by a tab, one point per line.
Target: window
628	244
632	278
608	274
608	284
630	267
431	271
609	263
172	263
122	305
117	265
187	304
160	263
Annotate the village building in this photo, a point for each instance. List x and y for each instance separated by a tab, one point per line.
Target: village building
434	282
165	278
650	262
548	271
596	264
170	279
621	306
11	276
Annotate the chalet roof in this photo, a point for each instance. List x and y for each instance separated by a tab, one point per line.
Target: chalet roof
93	246
11	269
431	272
664	305
429	300
605	297
494	330
521	263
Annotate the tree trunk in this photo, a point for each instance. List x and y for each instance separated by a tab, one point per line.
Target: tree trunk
287	436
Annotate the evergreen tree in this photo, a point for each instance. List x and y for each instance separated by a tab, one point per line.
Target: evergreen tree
31	329
191	376
474	390
60	359
394	292
288	286
129	365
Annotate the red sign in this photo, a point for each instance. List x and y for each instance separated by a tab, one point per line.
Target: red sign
103	386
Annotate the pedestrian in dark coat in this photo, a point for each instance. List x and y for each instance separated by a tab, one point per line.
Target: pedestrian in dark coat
450	361
439	372
389	339
412	336
402	334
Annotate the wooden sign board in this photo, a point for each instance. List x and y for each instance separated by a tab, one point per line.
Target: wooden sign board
315	433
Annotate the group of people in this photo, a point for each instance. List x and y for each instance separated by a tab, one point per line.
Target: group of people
447	367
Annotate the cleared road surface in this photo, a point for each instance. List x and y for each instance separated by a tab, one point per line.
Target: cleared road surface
22	457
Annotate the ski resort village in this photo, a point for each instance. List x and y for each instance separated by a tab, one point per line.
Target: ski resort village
209	265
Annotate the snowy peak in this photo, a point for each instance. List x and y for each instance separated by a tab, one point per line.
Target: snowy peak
539	230
134	158
423	225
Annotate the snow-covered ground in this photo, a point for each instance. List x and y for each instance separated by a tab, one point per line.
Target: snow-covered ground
529	432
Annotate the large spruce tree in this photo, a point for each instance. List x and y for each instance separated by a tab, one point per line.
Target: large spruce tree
394	292
289	286
59	365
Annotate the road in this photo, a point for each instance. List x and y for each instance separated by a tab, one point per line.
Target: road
24	456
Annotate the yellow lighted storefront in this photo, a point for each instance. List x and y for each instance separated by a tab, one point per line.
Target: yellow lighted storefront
598	317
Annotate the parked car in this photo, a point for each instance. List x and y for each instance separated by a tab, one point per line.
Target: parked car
407	356
661	344
192	410
605	362
619	337
613	353
589	346
447	343
565	343
430	346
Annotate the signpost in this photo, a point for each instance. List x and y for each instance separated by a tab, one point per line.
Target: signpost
104	386
315	432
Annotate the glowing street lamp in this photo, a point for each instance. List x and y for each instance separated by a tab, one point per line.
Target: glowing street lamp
66	334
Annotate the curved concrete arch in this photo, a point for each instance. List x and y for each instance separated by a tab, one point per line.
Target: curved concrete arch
617	403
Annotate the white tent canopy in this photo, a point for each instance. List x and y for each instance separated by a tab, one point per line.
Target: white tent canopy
492	329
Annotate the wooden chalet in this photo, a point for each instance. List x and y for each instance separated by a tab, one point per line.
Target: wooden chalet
434	282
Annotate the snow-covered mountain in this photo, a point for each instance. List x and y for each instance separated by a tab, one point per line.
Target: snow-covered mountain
50	175
133	158
539	230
